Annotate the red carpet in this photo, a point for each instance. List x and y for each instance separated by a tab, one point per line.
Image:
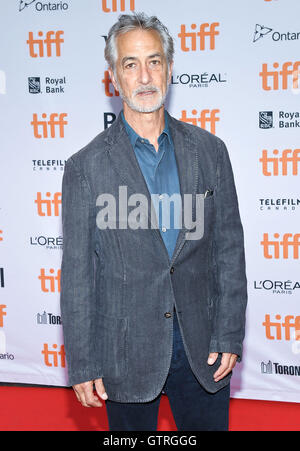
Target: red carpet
56	409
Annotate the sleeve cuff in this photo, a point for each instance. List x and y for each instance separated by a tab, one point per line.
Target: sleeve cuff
234	348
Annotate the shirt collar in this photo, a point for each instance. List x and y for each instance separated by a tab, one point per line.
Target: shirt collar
133	136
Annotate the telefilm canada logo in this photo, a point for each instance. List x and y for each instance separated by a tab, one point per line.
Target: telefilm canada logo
261	31
47	165
279	204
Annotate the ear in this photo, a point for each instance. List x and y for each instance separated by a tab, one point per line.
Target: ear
113	78
170	71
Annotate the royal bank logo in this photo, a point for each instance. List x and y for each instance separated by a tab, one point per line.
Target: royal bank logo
261	31
34	85
282	119
266	119
51	85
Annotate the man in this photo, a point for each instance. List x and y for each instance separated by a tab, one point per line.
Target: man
151	309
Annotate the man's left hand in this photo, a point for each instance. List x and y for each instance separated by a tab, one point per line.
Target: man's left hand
228	362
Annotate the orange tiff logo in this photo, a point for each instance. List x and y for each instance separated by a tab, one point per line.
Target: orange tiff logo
274	328
107	82
51	205
2	314
51	281
113	5
197	40
40	47
1	238
271	78
202	119
43	128
272	247
53	357
286	163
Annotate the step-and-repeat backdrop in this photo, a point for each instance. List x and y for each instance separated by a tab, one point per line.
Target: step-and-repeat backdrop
236	74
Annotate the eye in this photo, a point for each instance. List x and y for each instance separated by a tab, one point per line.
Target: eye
130	66
155	62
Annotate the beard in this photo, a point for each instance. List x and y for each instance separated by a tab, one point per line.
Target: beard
136	106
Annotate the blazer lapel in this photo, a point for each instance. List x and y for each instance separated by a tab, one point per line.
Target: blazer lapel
126	165
187	165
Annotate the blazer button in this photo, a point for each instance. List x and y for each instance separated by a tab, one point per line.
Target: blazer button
172	270
168	314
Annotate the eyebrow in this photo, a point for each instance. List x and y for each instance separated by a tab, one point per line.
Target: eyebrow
134	58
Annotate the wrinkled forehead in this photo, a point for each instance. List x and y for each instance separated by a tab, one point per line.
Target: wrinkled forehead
138	44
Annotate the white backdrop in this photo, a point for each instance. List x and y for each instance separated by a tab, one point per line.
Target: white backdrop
236	74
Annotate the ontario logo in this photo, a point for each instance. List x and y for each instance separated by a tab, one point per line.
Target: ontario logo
43	6
261	31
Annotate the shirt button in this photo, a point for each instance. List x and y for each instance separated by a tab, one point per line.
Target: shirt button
168	315
161	196
172	270
164	229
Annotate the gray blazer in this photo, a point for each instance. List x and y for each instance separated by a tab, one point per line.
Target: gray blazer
118	286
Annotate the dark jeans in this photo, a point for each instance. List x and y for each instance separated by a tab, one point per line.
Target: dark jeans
193	408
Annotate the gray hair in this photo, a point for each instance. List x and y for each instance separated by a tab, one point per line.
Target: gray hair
127	22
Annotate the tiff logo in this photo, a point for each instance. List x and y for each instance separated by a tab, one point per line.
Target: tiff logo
197	40
205	117
271	78
117	5
51	281
288	241
274	329
43	127
287	163
40	47
52	205
107	82
54	357
2	314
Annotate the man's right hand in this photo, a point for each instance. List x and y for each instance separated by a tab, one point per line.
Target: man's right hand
85	393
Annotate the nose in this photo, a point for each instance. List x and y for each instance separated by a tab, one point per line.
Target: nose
145	74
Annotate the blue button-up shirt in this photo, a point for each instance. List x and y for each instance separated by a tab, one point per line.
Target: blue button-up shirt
159	169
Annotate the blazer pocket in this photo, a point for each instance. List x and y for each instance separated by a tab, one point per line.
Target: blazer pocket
112	347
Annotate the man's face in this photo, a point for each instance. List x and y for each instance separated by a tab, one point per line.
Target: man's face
141	71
